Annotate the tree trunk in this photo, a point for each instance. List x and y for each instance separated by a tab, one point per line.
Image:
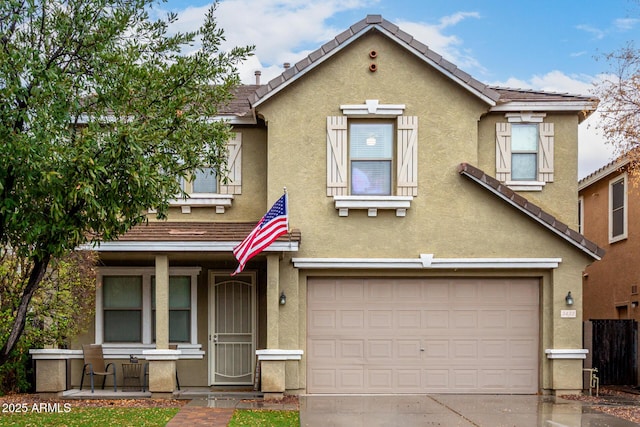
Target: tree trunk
36	276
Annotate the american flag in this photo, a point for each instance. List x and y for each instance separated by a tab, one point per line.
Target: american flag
273	224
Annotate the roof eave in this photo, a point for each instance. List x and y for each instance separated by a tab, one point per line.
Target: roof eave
421	51
584	244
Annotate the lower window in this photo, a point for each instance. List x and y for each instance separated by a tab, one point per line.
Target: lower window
126	308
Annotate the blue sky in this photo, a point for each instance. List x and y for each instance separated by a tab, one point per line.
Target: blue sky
543	44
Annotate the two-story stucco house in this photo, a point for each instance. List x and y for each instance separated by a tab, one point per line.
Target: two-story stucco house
432	238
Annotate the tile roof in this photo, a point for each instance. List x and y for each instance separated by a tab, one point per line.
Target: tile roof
376	23
197	232
517	94
249	96
536	213
240	105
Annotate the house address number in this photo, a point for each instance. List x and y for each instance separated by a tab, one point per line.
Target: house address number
568	314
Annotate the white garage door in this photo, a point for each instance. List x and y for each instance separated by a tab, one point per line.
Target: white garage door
423	335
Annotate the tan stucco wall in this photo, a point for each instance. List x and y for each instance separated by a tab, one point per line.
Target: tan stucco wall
450	217
558	197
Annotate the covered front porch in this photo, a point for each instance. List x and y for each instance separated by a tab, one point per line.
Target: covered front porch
173	305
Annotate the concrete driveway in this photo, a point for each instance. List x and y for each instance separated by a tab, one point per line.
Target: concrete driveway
450	410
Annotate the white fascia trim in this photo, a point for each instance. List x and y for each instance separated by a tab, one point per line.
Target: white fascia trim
277	354
372	107
544	106
426	261
238	120
123	246
204	199
120	351
526	185
564	353
54	354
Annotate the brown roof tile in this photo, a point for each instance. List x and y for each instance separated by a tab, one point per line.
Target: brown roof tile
197	232
374	22
533	211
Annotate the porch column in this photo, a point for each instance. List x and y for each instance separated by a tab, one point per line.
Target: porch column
162	302
272	373
273	305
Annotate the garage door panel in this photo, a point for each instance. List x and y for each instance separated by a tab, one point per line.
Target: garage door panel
351	319
381	319
422	335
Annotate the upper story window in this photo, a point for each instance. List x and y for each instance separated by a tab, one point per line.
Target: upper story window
204	181
372	158
618	208
205	189
524	151
581	214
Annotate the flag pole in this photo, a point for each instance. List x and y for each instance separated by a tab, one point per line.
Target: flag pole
286	204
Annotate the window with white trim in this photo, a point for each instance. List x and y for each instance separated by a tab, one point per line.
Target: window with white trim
524	151
206	189
372	158
581	214
618	208
125	305
179	308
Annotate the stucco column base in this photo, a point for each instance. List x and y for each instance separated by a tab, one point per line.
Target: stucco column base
162	376
567	370
162	370
51	376
272	376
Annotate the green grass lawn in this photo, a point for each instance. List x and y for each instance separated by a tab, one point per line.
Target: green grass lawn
131	417
262	418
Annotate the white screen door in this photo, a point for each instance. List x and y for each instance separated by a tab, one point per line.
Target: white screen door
232	329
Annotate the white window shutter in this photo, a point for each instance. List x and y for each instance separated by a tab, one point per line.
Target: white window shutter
407	156
337	160
503	152
234	166
545	152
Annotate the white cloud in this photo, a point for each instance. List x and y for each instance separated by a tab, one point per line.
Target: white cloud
626	24
446	45
596	32
281	30
288	30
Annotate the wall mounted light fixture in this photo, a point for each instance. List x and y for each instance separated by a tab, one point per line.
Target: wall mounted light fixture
283	298
569	299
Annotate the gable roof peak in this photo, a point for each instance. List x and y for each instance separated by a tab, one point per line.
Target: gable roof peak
393	32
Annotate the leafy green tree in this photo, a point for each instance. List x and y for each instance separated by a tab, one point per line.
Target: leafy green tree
101	115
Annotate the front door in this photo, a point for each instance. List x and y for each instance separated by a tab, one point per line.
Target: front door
231	329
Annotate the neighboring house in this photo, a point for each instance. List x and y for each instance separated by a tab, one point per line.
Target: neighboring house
432	242
608	203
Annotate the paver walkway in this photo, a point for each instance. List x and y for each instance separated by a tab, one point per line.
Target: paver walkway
213	412
193	416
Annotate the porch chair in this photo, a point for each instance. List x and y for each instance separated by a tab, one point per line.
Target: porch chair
94	365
